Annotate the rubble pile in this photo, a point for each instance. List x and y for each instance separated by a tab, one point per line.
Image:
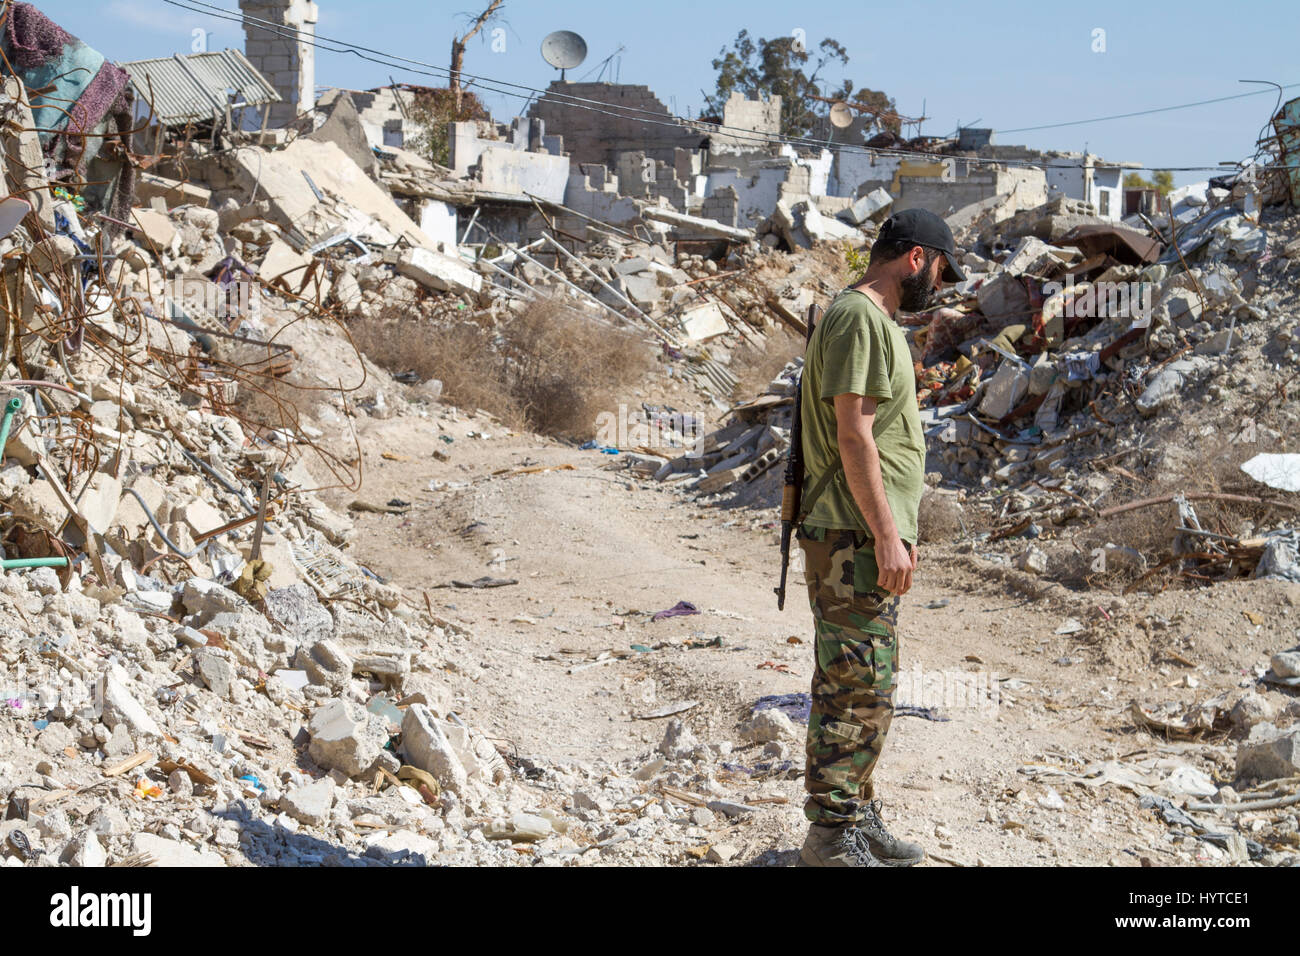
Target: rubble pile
1076	353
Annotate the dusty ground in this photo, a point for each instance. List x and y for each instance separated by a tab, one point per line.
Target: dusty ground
591	548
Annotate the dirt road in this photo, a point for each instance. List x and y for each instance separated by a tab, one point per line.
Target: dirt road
1010	777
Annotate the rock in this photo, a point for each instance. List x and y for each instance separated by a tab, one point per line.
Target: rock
721	853
119	743
522	827
52	253
180	783
768	725
703	817
326	664
206	599
1251	710
299	612
346	738
648	770
108	821
172	852
678	742
403	847
1167	386
310	804
599	803
121	708
730	808
54	738
84	850
1033	560
1286	664
54	825
215	671
427	747
1269	753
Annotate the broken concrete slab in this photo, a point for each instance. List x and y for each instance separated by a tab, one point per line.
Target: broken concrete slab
279	178
167	852
310	804
327	664
439	272
215	670
120	707
427	747
873	207
1004	299
1005	391
704	321
154	228
173	192
283	263
345	737
342	127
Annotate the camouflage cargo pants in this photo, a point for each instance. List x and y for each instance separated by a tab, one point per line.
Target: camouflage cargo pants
853	682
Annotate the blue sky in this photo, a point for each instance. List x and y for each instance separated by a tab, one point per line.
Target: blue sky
1006	65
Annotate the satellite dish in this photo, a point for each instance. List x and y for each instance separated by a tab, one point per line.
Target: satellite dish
841	116
564	50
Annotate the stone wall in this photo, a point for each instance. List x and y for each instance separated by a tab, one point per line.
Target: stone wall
591	136
288	62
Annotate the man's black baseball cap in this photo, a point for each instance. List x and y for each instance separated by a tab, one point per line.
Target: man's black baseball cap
924	228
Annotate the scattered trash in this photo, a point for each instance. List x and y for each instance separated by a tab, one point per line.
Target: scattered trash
677	610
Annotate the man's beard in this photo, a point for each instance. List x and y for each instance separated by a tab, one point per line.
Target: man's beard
917	291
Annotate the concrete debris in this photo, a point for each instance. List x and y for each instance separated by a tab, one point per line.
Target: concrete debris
211	674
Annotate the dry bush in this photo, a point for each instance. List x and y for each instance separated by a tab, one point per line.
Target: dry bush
755	367
460	356
1211	466
551	370
939	518
565	368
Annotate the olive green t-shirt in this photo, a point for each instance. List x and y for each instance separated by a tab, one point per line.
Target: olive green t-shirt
858	349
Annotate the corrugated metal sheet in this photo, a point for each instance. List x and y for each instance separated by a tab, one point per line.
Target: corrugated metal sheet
193	87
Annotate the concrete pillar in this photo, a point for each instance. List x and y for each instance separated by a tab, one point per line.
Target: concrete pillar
286	58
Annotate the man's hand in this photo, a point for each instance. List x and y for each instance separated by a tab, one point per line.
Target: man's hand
895	564
915	556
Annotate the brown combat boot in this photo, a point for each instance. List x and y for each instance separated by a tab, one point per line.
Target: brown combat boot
836	846
885	847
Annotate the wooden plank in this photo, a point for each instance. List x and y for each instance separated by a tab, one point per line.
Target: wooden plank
144	756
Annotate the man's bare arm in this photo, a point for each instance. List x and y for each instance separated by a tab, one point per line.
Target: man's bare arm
854	416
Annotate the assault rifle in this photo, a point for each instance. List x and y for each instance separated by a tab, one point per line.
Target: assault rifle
792	493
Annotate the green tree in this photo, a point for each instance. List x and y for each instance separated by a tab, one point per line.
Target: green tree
432	112
1163	181
784	67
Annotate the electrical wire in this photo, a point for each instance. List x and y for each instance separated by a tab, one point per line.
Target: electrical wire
621	112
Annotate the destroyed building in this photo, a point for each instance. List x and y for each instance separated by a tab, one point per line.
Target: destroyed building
197	667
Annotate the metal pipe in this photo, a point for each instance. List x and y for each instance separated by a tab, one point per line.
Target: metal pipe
11	408
670	339
11	563
34	384
157	527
